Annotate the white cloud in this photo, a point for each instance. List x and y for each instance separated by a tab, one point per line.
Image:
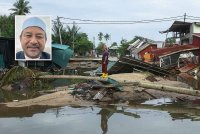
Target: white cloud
115	10
4	8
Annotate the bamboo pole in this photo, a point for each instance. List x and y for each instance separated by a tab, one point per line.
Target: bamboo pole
72	77
161	87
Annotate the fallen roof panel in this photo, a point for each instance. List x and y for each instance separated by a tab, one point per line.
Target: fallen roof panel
174	49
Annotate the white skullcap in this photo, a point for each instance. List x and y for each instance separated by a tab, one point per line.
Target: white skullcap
34	21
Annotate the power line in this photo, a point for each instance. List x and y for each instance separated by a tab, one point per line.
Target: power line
193	17
124	22
89	20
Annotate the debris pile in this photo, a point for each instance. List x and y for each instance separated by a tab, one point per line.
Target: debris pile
94	90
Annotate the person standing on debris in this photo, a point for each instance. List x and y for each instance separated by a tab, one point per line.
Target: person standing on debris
105	62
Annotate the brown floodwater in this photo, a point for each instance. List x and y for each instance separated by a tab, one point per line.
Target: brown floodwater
159	116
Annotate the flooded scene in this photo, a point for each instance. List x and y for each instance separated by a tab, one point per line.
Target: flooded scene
159	116
99	67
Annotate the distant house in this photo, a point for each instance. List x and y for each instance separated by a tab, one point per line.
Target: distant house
138	48
169	56
113	51
184	31
189	36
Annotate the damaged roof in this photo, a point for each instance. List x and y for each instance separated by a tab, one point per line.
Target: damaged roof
162	52
179	26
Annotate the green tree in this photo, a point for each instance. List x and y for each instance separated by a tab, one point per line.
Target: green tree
122	50
107	37
100	36
113	44
21	8
125	44
59	31
123	41
72	33
68	34
7	26
82	44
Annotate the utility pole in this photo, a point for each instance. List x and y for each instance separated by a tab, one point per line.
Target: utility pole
59	27
185	17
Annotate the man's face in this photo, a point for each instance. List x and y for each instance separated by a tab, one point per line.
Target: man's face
33	41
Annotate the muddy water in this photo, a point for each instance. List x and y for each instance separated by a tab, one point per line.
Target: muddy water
152	117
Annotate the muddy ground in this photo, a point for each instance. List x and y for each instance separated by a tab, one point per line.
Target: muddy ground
129	94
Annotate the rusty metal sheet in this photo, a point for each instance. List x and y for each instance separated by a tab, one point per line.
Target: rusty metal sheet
187	67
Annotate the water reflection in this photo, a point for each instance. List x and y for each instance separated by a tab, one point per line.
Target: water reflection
8	96
107	111
137	118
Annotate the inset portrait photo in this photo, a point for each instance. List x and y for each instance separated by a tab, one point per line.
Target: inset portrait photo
33	38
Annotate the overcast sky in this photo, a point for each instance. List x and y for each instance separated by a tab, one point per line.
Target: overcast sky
114	10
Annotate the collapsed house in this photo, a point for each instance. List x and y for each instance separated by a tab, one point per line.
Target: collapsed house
187	48
140	47
170	55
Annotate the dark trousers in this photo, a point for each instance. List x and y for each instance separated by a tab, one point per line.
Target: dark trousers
104	68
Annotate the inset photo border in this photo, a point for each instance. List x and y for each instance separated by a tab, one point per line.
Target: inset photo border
33	38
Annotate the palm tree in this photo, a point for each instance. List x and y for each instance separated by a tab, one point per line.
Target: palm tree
72	34
59	34
107	37
100	36
21	8
73	31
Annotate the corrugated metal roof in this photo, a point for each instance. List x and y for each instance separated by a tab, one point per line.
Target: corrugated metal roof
196	34
174	49
179	26
144	46
134	44
60	46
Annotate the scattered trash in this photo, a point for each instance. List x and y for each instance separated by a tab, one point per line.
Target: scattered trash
100	94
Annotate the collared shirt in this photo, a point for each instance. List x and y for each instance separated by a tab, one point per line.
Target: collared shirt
28	58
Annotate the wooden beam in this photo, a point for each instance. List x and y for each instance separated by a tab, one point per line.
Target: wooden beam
72	77
164	88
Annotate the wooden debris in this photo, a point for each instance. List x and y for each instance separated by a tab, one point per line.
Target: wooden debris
162	88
